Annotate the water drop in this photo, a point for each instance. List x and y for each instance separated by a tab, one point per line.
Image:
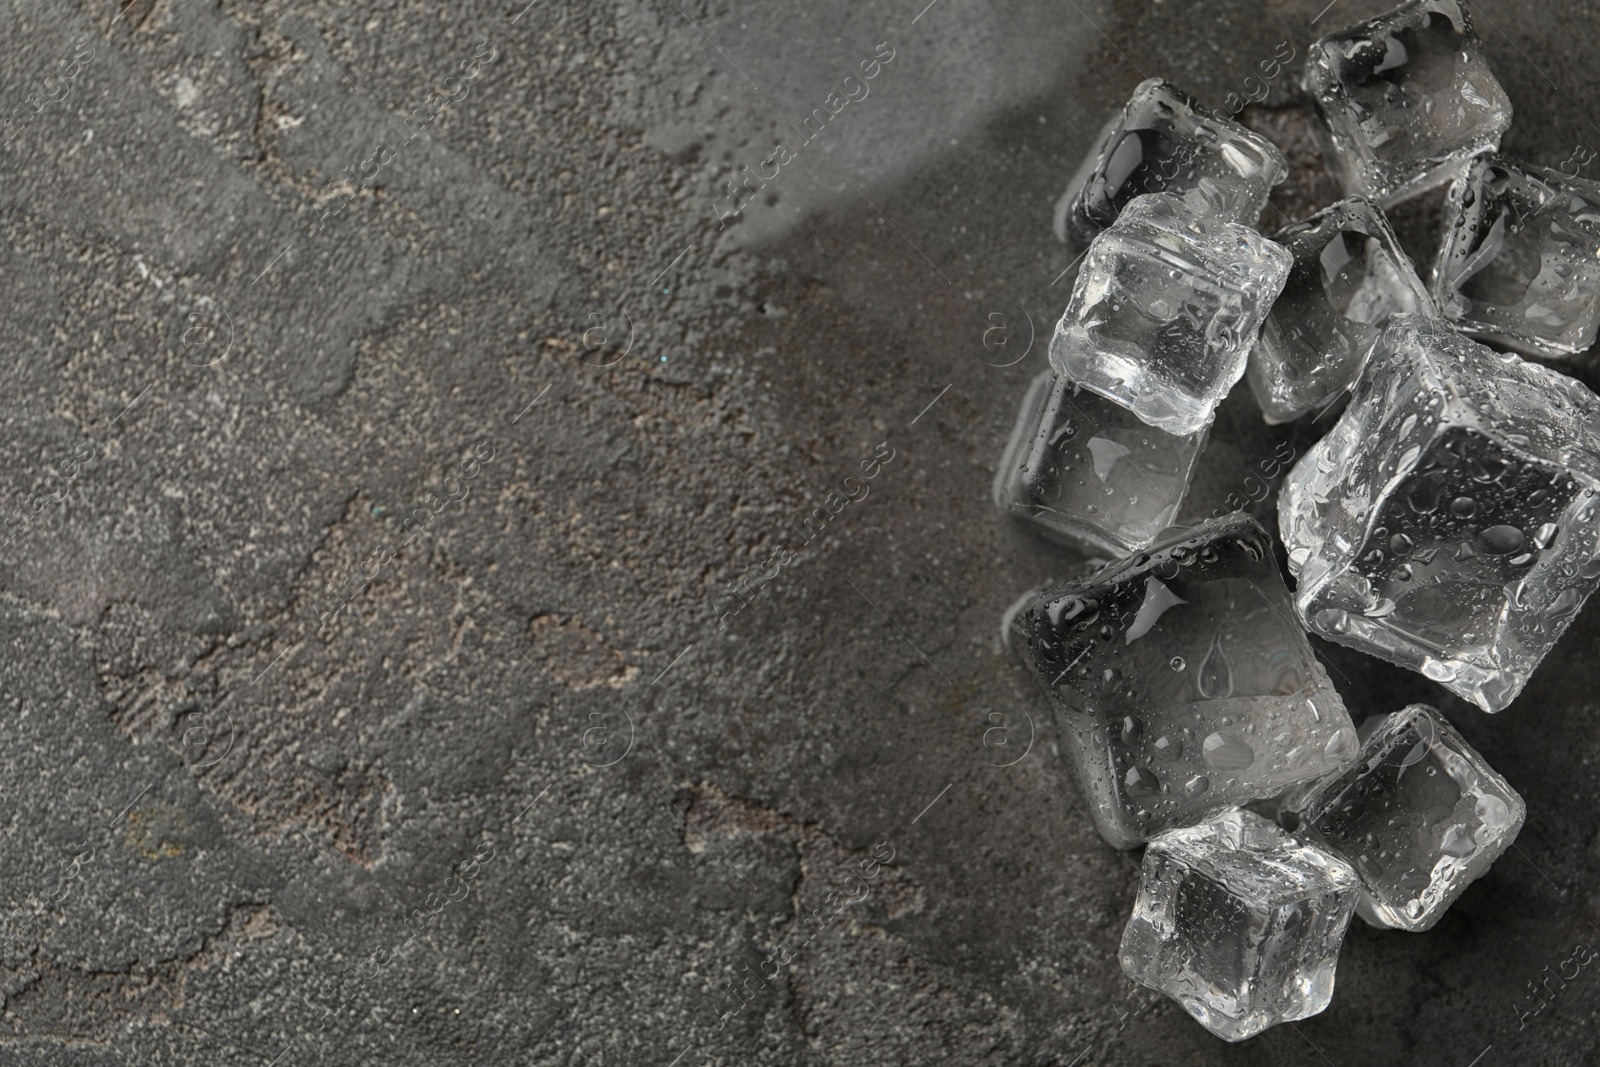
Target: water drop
1197	785
1492	812
1463	507
1225	752
1332	621
1132	729
1215	677
1400	544
1424	496
1073	609
1458	842
1544	535
1485	469
1177	663
1565	602
1141	782
1499	540
1167	748
1341	747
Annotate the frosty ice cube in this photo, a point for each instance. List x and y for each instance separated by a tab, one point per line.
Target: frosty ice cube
1447	523
1165	309
1420	816
1089	473
1164	141
1406	99
1520	263
1349	276
1240	923
1182	682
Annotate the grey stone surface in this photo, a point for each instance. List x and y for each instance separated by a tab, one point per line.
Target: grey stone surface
216	807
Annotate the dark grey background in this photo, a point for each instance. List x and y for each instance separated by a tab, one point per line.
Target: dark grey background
213	807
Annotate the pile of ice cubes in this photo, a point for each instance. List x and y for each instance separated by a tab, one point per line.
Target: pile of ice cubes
1446	523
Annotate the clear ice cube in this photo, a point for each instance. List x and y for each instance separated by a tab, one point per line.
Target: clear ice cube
1520	262
1349	276
1420	817
1165	309
1089	473
1164	141
1406	100
1240	923
1447	523
1181	681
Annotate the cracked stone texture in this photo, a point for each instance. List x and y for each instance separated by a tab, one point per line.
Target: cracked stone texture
220	806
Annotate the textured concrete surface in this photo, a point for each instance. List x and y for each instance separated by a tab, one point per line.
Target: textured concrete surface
381	445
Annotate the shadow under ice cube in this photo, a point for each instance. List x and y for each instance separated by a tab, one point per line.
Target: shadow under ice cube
1164	141
1240	923
1448	523
1349	276
1520	263
1420	816
1165	309
1406	99
1089	472
1181	681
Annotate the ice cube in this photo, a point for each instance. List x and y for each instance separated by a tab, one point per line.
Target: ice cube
1420	816
1089	473
1349	276
1406	100
1164	141
1165	309
1520	263
1447	523
1240	923
1181	681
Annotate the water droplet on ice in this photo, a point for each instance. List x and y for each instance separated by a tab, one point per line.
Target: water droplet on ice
1215	677
1498	540
1177	663
1167	748
1225	752
1158	600
1140	782
1493	812
1424	496
1381	608
1458	842
1332	620
1463	507
1342	746
1132	729
1197	785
